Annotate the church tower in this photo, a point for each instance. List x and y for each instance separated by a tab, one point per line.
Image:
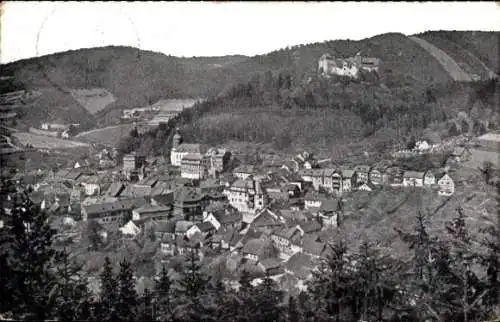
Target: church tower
176	140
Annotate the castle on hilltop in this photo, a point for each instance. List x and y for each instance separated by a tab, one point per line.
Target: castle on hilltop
350	67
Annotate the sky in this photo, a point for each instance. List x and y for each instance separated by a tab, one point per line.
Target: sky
30	29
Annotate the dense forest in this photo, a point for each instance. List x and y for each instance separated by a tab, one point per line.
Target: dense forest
445	280
290	110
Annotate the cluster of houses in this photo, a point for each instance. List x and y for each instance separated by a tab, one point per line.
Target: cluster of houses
274	218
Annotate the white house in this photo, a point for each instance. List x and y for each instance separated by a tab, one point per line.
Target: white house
422	146
446	186
429	178
413	179
211	219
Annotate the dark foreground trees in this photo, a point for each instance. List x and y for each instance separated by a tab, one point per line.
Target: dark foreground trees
446	280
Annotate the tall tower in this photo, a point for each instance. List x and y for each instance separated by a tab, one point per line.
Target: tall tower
176	140
260	200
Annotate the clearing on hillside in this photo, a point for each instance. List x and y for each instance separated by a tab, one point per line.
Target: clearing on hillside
93	99
109	136
47	142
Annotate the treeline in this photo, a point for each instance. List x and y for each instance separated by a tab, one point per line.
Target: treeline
444	280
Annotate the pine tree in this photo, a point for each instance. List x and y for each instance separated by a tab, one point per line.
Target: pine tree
268	301
331	287
464	286
375	283
192	287
109	293
127	302
29	257
73	298
163	296
246	298
146	308
294	313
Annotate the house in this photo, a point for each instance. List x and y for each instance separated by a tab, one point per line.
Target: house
310	227
368	186
111	215
332	180
212	220
291	189
231	221
203	229
307	174
115	189
348	179
149	212
377	173
179	150
329	212
133	161
394	176
300	265
290	166
266	219
317	177
313	200
92	185
271	266
221	239
244	171
182	227
161	228
446	185
254	249
130	230
167	245
218	160
315	248
246	195
195	166
422	146
362	172
413	179
286	238
189	203
429	178
460	154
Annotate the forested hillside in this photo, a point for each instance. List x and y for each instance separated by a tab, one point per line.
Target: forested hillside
138	78
373	113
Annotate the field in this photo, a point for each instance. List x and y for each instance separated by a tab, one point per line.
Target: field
109	136
46	142
478	157
93	100
171	105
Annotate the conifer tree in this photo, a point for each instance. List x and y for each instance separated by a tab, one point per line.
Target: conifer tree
294	313
109	293
375	286
192	287
127	302
163	296
268	300
246	298
73	298
30	256
146	307
332	286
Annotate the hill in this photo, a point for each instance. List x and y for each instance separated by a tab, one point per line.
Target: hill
130	77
